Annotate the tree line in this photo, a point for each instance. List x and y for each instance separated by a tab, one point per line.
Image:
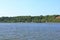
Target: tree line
37	19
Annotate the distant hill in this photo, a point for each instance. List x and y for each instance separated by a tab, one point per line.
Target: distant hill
37	19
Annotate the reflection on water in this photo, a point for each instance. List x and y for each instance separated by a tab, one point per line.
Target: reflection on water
29	31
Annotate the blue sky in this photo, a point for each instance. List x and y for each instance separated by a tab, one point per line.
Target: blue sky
29	7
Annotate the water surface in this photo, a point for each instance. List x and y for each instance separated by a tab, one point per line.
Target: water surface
29	31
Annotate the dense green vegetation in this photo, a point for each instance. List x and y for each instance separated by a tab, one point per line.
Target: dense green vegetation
48	18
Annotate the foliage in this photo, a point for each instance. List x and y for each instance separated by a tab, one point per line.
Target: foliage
38	19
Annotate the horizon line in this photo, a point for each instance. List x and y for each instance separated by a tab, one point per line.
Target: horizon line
28	15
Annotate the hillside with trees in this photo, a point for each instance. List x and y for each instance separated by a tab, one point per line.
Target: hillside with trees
37	19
